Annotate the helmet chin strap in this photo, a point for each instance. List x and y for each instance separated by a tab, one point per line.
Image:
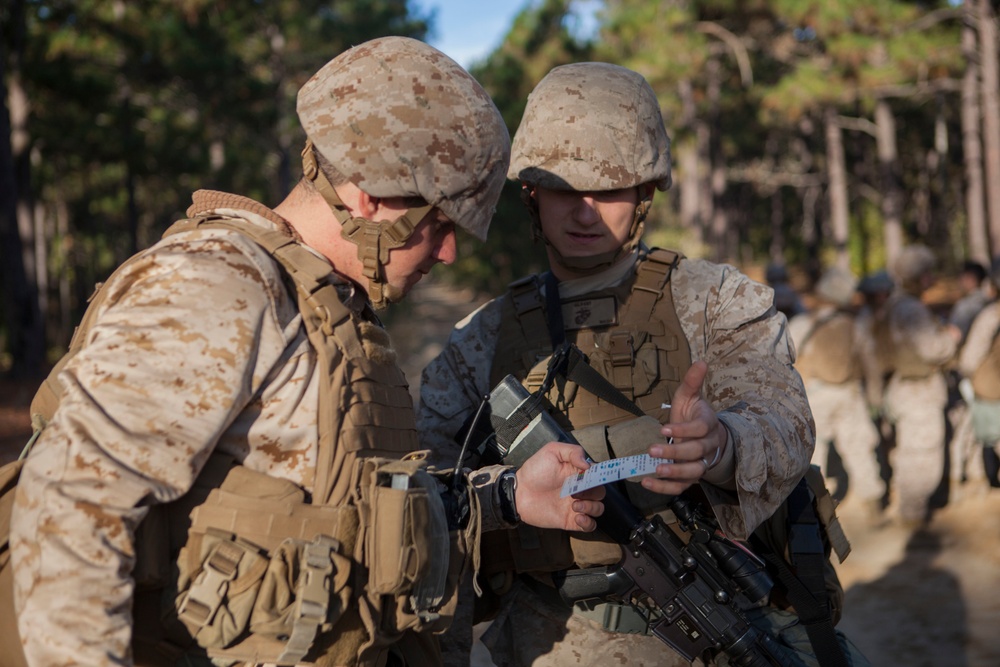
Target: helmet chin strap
374	239
594	264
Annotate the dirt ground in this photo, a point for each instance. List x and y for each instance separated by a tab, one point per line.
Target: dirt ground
926	598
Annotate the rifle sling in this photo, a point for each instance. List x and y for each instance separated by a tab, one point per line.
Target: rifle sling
805	586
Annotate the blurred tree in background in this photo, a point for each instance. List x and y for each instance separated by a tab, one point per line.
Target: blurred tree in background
118	110
808	132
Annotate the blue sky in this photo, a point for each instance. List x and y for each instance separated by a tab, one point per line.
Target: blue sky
467	30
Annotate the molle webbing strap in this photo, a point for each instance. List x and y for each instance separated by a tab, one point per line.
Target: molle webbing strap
524	334
652	276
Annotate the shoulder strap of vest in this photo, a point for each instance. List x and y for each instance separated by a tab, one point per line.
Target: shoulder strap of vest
326	318
652	275
529	308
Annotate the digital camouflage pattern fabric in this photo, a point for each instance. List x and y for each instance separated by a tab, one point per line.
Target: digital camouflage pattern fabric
564	141
728	320
456	150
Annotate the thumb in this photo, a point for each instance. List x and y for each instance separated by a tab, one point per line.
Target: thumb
689	391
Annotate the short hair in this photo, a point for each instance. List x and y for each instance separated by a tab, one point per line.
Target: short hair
336	177
975	269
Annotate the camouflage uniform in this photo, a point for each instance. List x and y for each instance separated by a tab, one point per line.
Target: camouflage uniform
974	359
916	395
591	128
728	321
828	344
200	347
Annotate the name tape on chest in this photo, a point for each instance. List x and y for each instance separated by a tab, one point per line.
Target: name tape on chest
589	313
613	470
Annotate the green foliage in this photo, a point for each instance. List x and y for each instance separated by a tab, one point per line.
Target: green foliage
135	104
537	41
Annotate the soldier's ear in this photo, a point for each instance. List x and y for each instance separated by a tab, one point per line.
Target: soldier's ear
368	205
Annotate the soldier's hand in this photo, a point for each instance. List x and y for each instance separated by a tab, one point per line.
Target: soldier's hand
539	482
698	437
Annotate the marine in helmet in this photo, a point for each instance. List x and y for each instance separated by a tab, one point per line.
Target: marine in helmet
697	346
240	359
979	363
914	345
830	345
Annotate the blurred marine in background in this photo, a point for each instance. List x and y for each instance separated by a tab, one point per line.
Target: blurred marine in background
828	347
914	345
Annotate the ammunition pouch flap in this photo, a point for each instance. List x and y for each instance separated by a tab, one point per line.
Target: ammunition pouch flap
415	560
262	572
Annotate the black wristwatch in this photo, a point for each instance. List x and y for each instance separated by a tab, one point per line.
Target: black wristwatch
508	506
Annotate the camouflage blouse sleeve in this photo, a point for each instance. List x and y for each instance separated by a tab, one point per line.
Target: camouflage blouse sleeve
184	340
730	322
454	383
451	388
980	340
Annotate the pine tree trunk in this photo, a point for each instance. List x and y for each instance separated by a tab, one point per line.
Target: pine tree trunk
990	82
892	195
975	210
688	173
719	221
20	294
837	175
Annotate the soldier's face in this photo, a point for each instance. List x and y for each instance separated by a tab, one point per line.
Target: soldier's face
583	224
433	241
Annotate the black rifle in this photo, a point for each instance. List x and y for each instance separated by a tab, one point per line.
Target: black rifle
691	591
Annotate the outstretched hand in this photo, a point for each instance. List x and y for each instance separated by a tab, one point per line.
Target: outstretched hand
539	482
697	437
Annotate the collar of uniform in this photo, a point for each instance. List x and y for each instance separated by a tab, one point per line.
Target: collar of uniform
225	203
230	205
613	275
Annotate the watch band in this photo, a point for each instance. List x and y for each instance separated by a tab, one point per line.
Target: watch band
508	490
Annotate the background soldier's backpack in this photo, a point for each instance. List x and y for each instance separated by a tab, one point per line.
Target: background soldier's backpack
986	379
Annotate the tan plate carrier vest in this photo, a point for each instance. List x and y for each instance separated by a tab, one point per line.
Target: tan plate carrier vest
828	351
644	353
301	566
897	359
